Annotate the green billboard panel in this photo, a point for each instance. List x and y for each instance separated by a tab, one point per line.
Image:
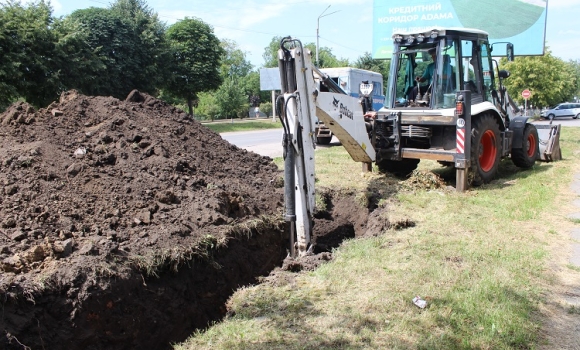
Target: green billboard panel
521	22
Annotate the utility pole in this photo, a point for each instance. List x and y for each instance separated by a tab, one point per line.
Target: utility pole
318	29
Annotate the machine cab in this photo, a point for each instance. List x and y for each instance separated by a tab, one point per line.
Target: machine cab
428	68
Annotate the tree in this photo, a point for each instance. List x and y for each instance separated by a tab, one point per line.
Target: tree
231	100
111	37
575	68
80	65
196	53
27	56
233	61
128	45
270	54
366	61
235	65
151	53
207	108
325	56
8	58
548	78
250	84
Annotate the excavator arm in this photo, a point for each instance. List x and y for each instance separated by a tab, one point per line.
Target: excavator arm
299	105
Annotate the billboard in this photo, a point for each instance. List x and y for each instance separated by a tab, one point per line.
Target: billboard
270	79
521	22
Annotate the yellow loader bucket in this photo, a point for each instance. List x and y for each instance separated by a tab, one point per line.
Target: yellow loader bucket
549	136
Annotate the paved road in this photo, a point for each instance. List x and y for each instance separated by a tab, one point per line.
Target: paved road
269	142
264	142
561	121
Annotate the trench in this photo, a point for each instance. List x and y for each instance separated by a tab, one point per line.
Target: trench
135	312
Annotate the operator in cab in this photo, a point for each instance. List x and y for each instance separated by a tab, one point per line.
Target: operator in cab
426	77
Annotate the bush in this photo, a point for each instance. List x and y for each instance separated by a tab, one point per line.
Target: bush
207	108
266	108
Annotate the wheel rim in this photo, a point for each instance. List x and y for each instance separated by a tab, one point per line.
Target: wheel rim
488	151
531	145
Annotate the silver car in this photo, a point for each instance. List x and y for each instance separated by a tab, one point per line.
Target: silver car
562	110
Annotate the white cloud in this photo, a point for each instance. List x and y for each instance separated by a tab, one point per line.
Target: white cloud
562	4
56	5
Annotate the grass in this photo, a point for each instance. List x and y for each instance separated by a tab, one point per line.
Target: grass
243	125
482	259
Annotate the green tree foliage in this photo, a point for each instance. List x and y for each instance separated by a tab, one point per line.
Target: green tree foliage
575	68
80	65
550	79
235	65
126	49
152	49
207	107
366	61
196	53
9	72
233	61
28	67
270	54
326	59
266	108
250	84
110	36
325	56
230	100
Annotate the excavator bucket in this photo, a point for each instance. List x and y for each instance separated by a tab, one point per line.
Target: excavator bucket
549	136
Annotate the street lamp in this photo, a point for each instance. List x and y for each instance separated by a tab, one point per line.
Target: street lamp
317	28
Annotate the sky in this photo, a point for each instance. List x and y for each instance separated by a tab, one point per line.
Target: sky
345	27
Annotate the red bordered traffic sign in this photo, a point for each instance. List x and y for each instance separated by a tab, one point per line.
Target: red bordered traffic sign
526	94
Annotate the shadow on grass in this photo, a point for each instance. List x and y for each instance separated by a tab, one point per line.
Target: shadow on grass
506	172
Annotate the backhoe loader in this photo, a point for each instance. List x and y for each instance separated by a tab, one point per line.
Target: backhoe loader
461	116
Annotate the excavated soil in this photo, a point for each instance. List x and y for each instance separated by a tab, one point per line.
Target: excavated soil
128	225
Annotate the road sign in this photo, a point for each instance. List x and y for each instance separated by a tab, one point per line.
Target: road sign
526	94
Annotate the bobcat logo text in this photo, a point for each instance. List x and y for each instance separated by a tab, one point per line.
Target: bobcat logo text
345	112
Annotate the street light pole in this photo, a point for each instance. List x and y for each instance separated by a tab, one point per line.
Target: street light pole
318	28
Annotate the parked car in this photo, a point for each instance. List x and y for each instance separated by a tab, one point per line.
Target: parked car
562	110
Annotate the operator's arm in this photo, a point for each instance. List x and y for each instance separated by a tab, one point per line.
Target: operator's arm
370	115
427	74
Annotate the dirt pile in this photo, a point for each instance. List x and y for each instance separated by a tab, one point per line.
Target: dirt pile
100	197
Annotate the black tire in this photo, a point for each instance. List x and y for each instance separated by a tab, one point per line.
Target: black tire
550	117
399	168
576	116
526	156
485	149
323	140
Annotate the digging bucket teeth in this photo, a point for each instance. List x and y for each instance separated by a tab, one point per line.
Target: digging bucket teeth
549	136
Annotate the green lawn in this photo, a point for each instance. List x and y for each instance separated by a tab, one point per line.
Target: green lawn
484	260
243	125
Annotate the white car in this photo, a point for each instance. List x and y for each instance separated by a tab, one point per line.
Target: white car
562	110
